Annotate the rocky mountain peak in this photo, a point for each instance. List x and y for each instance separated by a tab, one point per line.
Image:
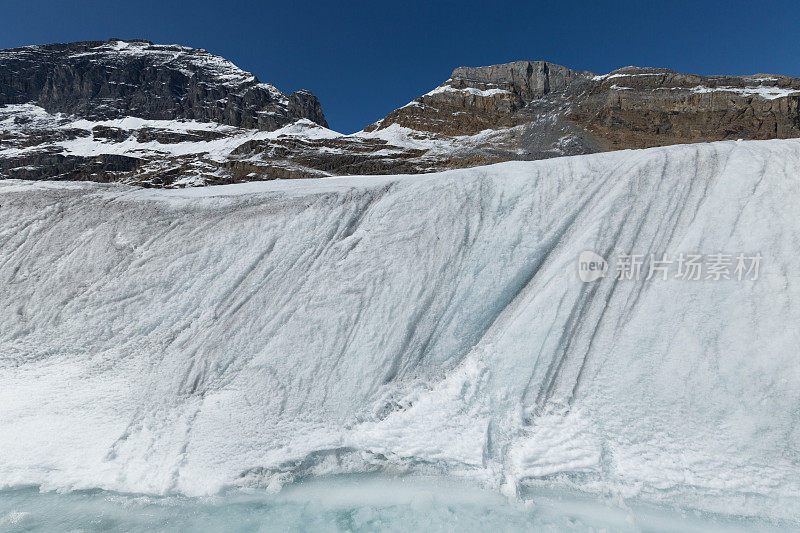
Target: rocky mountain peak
475	99
118	78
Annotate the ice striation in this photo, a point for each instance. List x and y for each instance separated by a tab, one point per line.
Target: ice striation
189	341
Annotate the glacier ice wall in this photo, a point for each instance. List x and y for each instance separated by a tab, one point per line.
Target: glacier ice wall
250	335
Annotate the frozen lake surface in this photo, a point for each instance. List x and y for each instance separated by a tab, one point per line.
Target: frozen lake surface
354	504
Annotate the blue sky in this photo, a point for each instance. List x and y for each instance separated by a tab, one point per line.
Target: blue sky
363	59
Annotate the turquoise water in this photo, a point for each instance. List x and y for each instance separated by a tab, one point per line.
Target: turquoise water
348	504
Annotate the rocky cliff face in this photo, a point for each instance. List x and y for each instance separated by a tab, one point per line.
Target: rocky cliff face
163	115
642	107
549	110
474	99
103	80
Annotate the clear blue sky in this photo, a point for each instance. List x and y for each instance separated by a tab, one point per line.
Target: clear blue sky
363	59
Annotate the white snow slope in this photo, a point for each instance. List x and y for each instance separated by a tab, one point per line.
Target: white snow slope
192	340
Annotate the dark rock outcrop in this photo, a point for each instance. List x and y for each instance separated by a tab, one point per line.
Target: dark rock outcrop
102	168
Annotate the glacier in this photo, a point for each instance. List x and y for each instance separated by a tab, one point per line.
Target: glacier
248	336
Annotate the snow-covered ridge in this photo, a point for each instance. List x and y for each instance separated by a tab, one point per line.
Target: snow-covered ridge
188	60
766	92
191	340
91	145
626	75
217	149
467	90
765	85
